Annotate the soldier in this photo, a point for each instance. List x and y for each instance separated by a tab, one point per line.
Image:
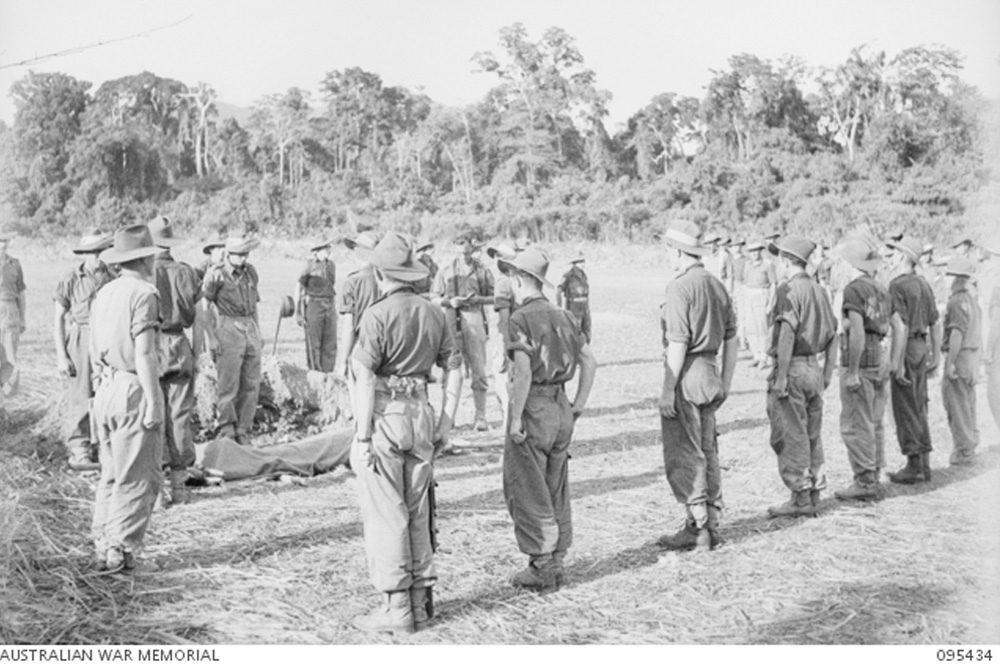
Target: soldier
962	342
232	291
698	321
180	291
914	319
866	309
12	315
545	346
964	248
739	291
465	286
760	282
74	295
128	404
401	337
314	308
503	304
803	326
359	292
204	321
718	262
424	256
573	294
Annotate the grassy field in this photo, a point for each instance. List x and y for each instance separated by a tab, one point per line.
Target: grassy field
264	562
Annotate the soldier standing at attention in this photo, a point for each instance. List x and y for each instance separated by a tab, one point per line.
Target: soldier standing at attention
573	294
698	321
914	319
204	322
503	304
803	326
545	346
232	291
962	343
867	309
180	291
760	281
128	404
74	295
402	336
359	292
12	315
314	308
465	286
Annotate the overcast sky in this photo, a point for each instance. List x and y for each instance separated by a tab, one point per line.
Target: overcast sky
638	48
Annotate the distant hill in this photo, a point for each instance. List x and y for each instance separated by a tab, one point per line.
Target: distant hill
241	114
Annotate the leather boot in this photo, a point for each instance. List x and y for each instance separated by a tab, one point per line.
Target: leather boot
714	536
557	566
925	465
479	398
814	499
687	538
864	487
912	473
800	504
537	577
394	615
178	487
422	605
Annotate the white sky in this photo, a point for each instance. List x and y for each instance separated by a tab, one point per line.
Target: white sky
638	48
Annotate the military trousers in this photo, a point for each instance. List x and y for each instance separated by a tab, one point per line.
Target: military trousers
536	475
959	397
79	392
131	457
472	327
10	339
862	410
796	425
179	399
909	400
580	308
758	331
321	334
395	473
690	441
238	365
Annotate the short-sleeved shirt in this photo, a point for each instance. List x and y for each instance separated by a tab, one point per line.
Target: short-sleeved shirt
459	279
804	305
122	309
759	275
697	311
739	268
233	290
913	299
870	300
719	264
318	278
179	291
963	315
76	291
503	294
11	279
404	334
551	338
574	284
358	293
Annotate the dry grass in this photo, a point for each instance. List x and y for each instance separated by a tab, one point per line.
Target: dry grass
263	562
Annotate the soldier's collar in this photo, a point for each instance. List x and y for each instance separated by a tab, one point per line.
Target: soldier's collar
693	265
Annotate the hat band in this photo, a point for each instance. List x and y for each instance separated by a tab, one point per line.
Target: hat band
681	237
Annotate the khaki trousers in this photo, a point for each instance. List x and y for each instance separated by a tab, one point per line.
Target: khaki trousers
179	400
959	397
321	330
131	457
79	391
861	413
395	472
909	401
238	366
473	345
796	425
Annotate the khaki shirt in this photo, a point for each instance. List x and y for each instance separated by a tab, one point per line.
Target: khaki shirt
759	275
803	304
358	293
76	291
914	300
963	315
405	335
179	291
122	309
11	279
697	311
459	279
318	278
234	292
870	299
574	285
550	337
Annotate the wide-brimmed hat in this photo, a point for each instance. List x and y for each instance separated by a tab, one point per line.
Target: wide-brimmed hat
960	266
366	240
796	246
219	242
130	243
394	257
163	232
685	236
756	245
468	237
425	246
771	236
93	241
963	242
736	243
240	244
578	258
320	244
860	254
928	248
532	261
909	246
711	237
502	250
287	306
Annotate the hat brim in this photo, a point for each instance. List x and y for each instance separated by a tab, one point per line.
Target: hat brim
94	247
774	249
407	274
242	248
510	266
700	251
352	244
167	242
426	246
958	274
578	260
895	245
113	256
209	247
320	246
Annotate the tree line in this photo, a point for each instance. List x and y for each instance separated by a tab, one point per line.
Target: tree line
879	141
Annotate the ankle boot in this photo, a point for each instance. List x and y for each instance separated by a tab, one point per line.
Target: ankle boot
800	504
688	538
394	615
912	473
479	399
178	487
422	605
864	487
540	578
925	465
